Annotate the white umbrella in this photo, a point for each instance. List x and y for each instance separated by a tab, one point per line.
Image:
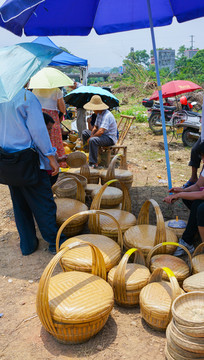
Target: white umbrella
49	78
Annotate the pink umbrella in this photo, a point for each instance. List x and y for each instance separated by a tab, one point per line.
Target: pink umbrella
175	87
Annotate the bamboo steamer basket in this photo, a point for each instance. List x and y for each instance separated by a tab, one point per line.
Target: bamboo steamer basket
173	351
194	282
145	236
74	306
73	137
179	267
156	299
65	188
195	345
112	197
76	159
188	309
178	231
68	207
124	176
91	187
198	259
127	280
106	226
81	259
92	175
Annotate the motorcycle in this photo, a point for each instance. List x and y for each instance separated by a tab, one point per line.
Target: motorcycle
155	120
188	123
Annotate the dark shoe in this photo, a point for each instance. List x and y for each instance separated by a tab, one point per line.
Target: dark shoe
96	166
187	184
52	250
179	251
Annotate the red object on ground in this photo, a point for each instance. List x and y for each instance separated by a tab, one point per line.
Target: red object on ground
175	87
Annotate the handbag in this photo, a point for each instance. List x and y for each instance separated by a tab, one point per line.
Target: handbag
21	168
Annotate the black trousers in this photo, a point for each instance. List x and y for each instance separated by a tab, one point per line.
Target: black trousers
196	218
195	155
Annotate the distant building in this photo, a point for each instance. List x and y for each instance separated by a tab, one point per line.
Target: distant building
166	58
190	53
152	62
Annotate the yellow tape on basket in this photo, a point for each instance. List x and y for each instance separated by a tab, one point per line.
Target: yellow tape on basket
130	251
168	271
169	243
111	181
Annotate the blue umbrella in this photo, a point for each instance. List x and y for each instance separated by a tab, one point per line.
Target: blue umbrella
19	63
105	16
83	94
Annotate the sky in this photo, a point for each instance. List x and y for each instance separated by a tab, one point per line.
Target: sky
110	50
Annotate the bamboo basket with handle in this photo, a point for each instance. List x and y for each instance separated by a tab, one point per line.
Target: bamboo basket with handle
81	259
194	282
179	267
67	207
127	280
68	174
65	188
156	298
73	136
74	306
112	197
92	175
124	176
76	159
106	227
145	236
198	259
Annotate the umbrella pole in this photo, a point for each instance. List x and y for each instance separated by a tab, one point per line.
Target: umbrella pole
160	96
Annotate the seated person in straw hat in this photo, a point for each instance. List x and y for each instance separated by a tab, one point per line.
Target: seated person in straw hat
104	132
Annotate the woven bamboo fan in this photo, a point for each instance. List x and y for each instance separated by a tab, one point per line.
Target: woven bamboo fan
81	259
145	236
194	282
198	259
68	207
179	229
74	306
127	280
173	351
111	198
124	176
156	299
179	267
105	226
76	159
65	188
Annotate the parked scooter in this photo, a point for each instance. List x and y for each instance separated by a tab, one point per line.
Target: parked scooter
155	120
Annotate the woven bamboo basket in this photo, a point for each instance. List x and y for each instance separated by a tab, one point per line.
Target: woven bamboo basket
180	268
198	259
69	207
111	198
106	226
188	309
76	159
127	280
173	351
195	345
91	187
65	188
194	282
156	299
125	176
68	174
81	259
70	144
73	136
74	306
92	175
145	236
178	231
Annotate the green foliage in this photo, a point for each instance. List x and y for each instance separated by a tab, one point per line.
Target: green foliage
114	70
139	57
137	111
181	51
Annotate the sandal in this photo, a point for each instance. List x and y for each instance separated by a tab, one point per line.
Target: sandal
187	184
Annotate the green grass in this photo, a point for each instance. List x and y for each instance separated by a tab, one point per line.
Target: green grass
137	111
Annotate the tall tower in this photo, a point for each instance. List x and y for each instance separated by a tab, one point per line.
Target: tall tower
192	41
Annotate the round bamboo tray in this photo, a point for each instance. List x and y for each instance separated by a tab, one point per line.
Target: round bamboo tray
74	306
81	178
194	282
186	342
198	259
188	309
156	299
65	188
145	236
127	280
111	197
176	352
76	159
81	259
105	226
178	231
179	267
91	187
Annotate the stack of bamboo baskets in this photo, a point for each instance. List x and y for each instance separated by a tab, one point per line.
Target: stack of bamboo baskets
185	333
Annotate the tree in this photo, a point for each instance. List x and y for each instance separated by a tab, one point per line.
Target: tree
64	49
139	57
181	51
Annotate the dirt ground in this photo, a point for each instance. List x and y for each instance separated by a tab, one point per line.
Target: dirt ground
125	335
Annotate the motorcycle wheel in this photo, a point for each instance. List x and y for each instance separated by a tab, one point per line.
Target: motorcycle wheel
157	129
188	141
